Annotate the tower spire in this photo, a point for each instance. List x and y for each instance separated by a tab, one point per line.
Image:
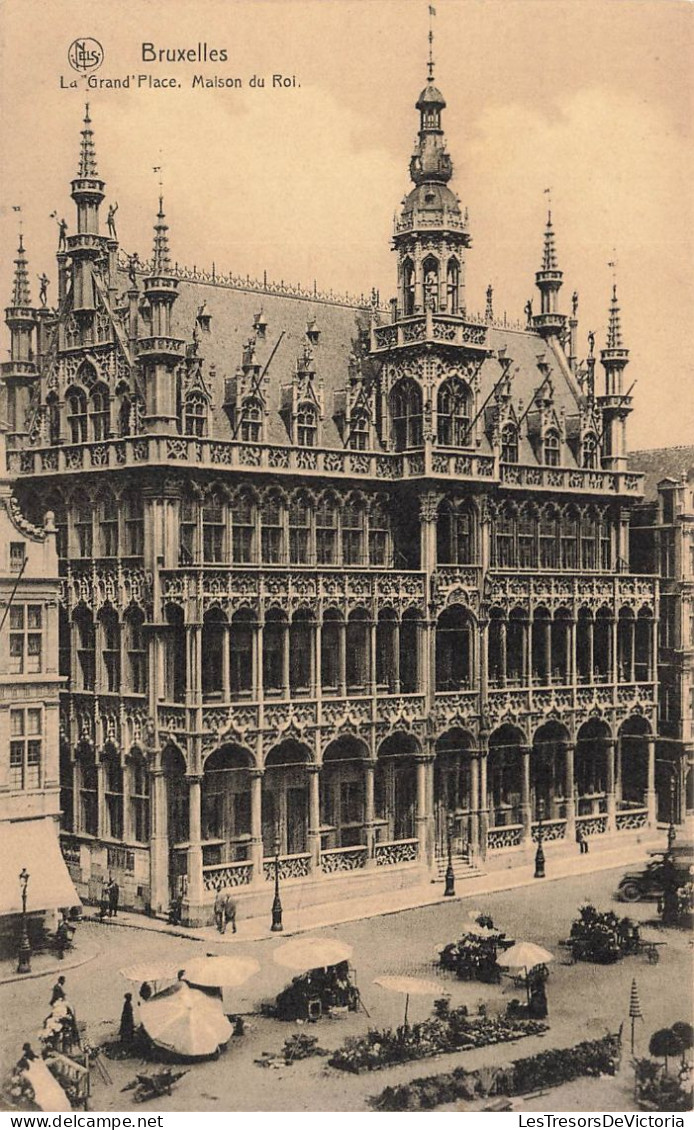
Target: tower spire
87	165
21	296
549	281
161	259
430	64
616	406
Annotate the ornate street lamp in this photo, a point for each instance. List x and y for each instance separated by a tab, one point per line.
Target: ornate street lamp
539	854
276	902
24	962
672	831
449	890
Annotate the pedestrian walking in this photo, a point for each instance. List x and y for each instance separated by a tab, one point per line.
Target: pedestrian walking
581	840
127	1022
104	901
58	993
113	896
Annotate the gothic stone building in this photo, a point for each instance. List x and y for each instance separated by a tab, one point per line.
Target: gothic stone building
339	582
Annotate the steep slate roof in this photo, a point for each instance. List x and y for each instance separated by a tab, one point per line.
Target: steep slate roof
662	463
233	311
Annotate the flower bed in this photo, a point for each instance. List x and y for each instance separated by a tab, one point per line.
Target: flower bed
546	1069
449	1031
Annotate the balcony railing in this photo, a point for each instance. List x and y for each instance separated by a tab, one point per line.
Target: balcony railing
333	860
570	478
430	327
220	875
396	851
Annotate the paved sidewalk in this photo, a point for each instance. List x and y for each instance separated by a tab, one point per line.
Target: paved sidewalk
303	919
45	964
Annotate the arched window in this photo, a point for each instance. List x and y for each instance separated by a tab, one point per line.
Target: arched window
358	666
188	532
84	524
550	448
135	651
299	530
251	420
56	504
214	642
274	647
548	531
353	532
306	425
110	649
242	528
76	401
406	414
430	271
243	628
130	416
410	628
454	540
301	633
99	412
509	444
453	650
213	528
386	655
453	286
108	524
453	407
569	538
330	662
113	790
589	539
53	415
527	541
504	538
643	646
139	798
175	664
195	415
408	288
326	530
89	796
605	538
584	645
272	530
359	432
133	523
589	451
602	646
86	648
378	533
541	646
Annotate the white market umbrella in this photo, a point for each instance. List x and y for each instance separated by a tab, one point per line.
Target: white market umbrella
223	972
303	954
476	931
525	955
151	971
186	1021
409	987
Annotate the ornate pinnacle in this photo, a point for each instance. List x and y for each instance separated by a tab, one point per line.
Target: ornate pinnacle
20	290
614	327
87	150
161	259
549	258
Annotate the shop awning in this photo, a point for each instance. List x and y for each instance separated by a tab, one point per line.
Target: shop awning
33	844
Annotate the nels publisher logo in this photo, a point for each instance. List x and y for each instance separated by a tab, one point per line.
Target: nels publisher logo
85	55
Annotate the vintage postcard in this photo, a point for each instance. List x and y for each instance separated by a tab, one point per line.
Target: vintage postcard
346	556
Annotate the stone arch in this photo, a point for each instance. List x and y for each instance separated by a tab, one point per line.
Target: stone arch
454	786
343	791
548	771
505	776
285	797
395	786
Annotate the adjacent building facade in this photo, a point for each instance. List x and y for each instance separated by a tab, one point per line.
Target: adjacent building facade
29	717
663	542
339	582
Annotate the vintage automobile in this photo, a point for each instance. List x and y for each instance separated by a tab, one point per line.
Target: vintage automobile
647	883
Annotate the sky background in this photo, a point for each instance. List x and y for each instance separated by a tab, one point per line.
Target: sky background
591	97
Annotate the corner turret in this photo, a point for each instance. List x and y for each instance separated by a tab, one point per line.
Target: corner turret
549	281
615	405
160	354
20	372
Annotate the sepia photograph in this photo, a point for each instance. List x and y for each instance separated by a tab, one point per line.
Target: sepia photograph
346	558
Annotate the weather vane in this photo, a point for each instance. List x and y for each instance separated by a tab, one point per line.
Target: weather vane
432	13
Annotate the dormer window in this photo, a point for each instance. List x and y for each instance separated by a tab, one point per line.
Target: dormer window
509	444
551	449
359	432
453	413
251	420
589	454
77	415
306	425
195	415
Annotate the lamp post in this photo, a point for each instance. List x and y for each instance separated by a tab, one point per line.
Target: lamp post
24	962
539	854
276	902
449	889
672	831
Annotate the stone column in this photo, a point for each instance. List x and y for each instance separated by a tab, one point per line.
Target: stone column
395	681
569	750
548	651
343	659
369	812
632	650
256	854
650	786
422	818
226	680
285	659
474	826
159	893
571	652
502	653
258	689
590	628
195	893
526	674
102	829
526	804
484	799
610	785
314	816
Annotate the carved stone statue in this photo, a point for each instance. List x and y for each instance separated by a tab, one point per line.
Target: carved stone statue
591	343
62	235
574	304
44	282
111	220
133	263
529	309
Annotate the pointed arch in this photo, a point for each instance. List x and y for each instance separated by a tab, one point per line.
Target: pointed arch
76	409
195	414
453	413
509	443
406	414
